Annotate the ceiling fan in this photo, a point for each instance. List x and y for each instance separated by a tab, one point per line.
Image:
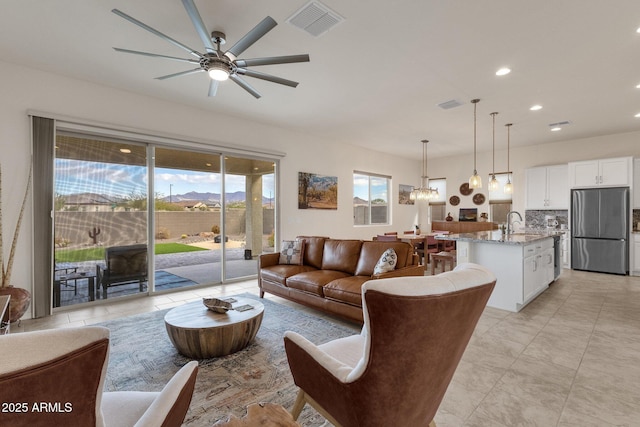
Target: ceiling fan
220	65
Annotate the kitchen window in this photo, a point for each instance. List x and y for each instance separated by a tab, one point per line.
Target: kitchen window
500	202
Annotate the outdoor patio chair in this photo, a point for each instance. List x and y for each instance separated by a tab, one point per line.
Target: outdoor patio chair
124	265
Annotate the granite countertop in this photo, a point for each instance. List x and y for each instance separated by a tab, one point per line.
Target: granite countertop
496	236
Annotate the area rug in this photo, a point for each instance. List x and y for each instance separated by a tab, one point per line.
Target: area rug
143	358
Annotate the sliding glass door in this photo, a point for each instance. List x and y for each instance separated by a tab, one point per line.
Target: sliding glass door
249	219
100	203
187	217
133	218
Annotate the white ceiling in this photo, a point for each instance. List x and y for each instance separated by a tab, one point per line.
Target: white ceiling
375	79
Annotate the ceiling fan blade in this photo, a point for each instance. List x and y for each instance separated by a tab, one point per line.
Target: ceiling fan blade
156	32
246	86
267	77
155	55
213	87
181	73
272	60
201	29
266	25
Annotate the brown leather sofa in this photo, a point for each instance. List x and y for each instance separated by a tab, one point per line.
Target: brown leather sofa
333	272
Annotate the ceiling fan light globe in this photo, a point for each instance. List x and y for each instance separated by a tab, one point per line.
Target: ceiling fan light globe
218	74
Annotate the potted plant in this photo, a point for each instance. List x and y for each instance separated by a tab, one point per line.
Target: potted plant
20	298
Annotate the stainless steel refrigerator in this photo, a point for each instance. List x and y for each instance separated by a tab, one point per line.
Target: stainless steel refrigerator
600	230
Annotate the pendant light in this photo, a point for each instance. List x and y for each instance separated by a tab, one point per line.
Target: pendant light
508	187
424	192
475	181
494	184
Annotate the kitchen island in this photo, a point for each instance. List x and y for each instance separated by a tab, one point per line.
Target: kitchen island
523	263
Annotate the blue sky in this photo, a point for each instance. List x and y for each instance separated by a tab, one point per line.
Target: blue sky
378	188
74	176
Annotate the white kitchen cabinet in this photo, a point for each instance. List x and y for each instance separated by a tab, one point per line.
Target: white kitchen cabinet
538	268
601	173
547	187
565	250
635	268
523	271
636	184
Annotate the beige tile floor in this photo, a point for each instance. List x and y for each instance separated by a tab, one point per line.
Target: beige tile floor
570	358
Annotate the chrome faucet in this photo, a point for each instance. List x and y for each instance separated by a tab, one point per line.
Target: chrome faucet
510	223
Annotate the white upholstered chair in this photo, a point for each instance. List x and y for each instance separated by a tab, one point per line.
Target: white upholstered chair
65	369
397	370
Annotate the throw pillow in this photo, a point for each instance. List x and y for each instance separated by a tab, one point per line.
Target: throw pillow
291	252
387	262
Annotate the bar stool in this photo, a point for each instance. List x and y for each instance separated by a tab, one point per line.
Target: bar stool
443	257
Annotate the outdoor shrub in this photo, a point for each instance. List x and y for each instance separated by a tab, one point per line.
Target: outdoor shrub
162	233
184	236
215	229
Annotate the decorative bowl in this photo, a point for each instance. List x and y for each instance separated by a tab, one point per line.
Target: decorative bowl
217	305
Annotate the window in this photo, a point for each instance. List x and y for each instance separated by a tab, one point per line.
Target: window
499	201
370	198
438	206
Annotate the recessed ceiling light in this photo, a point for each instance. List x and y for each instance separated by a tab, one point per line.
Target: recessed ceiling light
638	86
125	150
536	107
556	129
638	30
503	71
637	115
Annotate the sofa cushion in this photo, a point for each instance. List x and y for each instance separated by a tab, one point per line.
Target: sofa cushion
387	262
279	273
347	290
372	251
313	250
342	255
313	281
291	252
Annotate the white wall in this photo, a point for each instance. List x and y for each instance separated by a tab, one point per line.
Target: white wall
23	89
458	169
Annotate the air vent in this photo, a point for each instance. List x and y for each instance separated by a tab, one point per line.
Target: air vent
315	18
553	125
447	105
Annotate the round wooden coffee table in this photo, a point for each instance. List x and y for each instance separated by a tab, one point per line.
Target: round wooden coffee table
200	333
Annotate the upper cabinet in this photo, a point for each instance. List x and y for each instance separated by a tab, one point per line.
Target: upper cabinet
601	173
636	184
547	187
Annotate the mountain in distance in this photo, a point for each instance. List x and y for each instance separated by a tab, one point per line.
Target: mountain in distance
359	201
237	196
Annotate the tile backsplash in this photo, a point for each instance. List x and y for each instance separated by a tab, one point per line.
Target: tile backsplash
534	219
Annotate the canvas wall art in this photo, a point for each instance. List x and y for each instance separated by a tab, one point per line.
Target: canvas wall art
404	192
317	191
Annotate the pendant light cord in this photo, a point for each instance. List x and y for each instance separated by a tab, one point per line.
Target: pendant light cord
493	115
508	125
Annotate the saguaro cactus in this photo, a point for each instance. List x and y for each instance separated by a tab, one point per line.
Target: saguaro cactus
94	235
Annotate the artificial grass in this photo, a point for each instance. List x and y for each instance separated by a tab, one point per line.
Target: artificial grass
97	254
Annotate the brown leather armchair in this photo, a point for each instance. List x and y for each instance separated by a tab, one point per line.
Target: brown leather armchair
64	370
396	372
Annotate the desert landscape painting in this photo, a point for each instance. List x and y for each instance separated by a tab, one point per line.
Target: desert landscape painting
317	191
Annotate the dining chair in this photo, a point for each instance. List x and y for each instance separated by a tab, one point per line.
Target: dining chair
387	238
